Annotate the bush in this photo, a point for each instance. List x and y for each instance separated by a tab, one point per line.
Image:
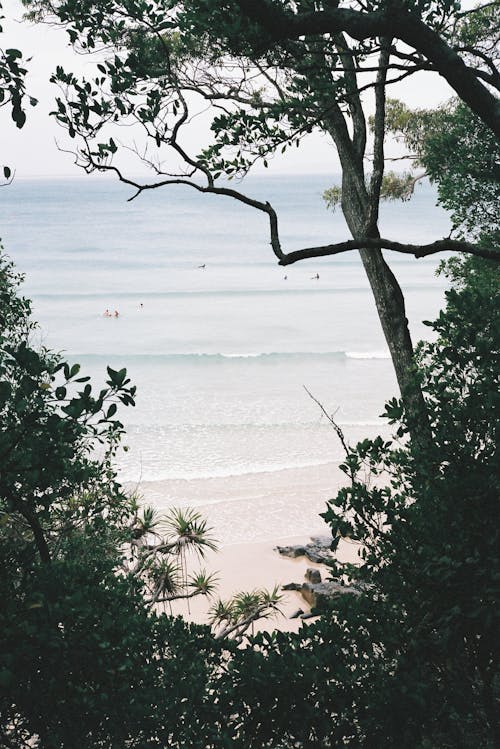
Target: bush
410	658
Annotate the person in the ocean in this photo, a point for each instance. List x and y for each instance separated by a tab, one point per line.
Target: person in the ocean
107	313
316	276
202	266
117	314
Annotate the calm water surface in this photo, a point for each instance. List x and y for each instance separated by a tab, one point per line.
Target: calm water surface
220	354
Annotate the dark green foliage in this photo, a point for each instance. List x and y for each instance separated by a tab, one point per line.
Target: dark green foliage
461	156
85	664
412	659
83	660
50	424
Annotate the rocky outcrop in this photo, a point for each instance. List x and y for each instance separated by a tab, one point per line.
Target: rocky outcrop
320	594
317	551
291	586
314	591
313	575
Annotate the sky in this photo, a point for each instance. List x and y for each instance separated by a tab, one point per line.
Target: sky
33	151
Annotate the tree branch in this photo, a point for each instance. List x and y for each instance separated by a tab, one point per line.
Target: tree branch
423	250
367	243
174	597
40	541
394	21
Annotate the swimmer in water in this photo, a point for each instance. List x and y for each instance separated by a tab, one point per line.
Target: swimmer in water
315	277
117	314
202	266
107	313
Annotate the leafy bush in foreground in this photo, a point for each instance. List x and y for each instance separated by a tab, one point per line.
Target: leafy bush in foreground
83	659
412	659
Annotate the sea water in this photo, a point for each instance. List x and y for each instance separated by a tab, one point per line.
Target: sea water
220	340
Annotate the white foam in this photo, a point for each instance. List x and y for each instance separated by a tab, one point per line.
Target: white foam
128	476
242	356
367	355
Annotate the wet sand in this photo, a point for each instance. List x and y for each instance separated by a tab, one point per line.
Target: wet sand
253	507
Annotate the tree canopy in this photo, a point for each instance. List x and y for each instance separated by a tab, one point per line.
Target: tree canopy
408	654
430	28
161	63
12	88
267	90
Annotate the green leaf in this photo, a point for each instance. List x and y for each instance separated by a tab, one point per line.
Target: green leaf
111	411
5	391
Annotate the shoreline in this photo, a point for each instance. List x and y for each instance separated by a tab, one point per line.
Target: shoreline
253	508
249	516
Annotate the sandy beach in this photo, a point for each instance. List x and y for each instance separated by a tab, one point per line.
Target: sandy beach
249	516
250	566
253	507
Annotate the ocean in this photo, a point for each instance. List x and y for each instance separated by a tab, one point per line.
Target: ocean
221	354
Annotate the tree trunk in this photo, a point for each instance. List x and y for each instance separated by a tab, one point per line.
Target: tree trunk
391	311
40	542
390	305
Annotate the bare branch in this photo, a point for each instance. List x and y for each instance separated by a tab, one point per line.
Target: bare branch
353	99
418	251
477	9
485	58
362	243
338	429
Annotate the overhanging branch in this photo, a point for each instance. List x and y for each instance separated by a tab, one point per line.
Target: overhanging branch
417	250
363	243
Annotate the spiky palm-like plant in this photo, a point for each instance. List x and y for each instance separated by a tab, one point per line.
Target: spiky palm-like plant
221	612
189	530
233	618
164	579
203	583
145	522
